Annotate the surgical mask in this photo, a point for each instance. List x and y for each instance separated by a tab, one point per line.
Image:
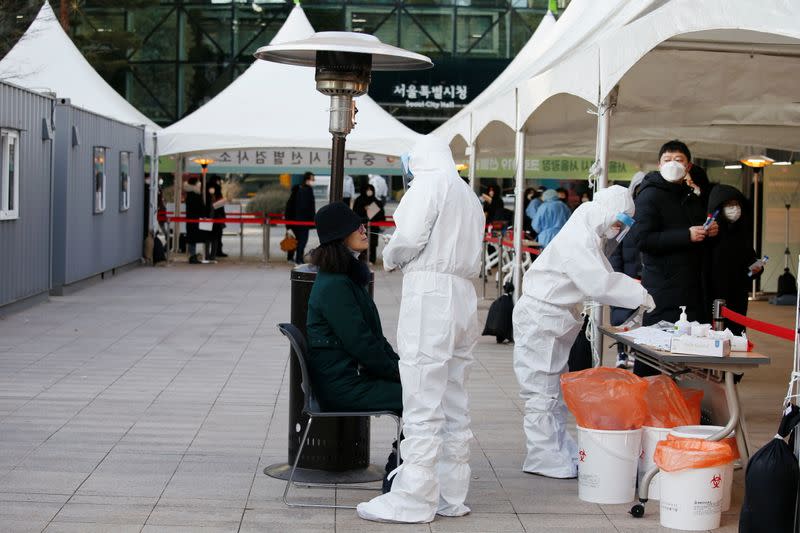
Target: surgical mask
672	171
611	233
732	212
408	177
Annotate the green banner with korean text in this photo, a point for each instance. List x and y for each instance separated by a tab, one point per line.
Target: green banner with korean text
570	168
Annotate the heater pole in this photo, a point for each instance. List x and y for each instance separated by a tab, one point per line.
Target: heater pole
337	168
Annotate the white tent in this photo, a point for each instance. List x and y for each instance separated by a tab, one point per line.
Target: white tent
713	72
272	105
583	22
46	60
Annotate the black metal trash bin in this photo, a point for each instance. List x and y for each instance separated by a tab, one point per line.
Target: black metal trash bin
337	449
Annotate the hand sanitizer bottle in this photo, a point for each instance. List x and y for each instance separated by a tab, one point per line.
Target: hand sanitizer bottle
682	326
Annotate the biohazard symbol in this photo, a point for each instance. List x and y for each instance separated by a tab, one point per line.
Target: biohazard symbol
715	481
582	455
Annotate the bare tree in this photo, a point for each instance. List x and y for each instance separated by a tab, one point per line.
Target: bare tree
15	17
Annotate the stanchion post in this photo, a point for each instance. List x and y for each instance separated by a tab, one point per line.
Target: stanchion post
718	322
241	234
483	264
269	234
264	242
369	241
499	284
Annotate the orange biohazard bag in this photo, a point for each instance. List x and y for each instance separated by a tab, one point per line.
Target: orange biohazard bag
666	407
605	398
730	442
676	454
694	400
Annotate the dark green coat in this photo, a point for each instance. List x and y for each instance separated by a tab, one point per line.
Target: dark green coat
344	333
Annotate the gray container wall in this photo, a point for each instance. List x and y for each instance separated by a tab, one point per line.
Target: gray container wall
25	242
85	243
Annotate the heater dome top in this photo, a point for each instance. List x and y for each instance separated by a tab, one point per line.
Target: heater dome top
304	52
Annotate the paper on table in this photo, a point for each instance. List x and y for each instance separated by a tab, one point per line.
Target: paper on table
650	336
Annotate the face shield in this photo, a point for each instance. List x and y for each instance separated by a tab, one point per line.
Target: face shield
614	235
408	177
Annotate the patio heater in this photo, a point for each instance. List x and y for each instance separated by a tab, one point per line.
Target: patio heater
203	162
344	62
337	449
757	163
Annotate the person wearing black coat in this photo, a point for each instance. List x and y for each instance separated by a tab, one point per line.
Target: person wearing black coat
671	238
731	253
301	206
364	200
217	203
493	204
195	208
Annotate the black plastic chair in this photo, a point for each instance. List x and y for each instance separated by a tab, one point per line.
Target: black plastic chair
312	408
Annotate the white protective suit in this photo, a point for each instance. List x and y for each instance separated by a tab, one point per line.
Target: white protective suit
547	320
381	189
348	188
437	244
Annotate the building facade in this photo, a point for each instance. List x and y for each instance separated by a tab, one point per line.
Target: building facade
168	57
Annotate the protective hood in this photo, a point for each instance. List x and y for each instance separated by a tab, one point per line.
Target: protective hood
721	194
599	214
636	180
549	195
431	158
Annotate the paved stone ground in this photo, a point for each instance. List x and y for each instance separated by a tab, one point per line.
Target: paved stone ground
152	401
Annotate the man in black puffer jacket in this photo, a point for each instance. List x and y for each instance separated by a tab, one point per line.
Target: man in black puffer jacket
670	236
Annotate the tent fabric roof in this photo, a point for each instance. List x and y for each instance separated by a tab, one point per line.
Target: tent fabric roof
46	60
272	105
713	72
553	41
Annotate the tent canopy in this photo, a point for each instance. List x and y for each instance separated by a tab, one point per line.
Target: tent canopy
712	73
583	22
272	105
46	60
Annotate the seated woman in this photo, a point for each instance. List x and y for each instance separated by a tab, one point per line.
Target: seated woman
351	364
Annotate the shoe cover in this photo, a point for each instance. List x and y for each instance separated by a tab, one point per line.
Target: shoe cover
400	506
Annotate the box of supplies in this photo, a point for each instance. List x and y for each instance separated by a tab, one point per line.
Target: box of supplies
686	344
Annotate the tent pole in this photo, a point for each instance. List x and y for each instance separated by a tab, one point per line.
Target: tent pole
176	212
154	187
473	180
604	112
472	149
519	193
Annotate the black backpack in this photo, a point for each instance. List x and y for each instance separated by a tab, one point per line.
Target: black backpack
159	254
787	284
499	319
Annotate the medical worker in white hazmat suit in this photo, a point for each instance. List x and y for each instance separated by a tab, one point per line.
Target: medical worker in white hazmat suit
547	319
437	244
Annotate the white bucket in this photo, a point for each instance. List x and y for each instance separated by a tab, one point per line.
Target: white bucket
704	432
650	437
607	465
691	499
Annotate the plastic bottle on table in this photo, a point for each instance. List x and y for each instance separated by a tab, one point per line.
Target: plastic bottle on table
682	326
